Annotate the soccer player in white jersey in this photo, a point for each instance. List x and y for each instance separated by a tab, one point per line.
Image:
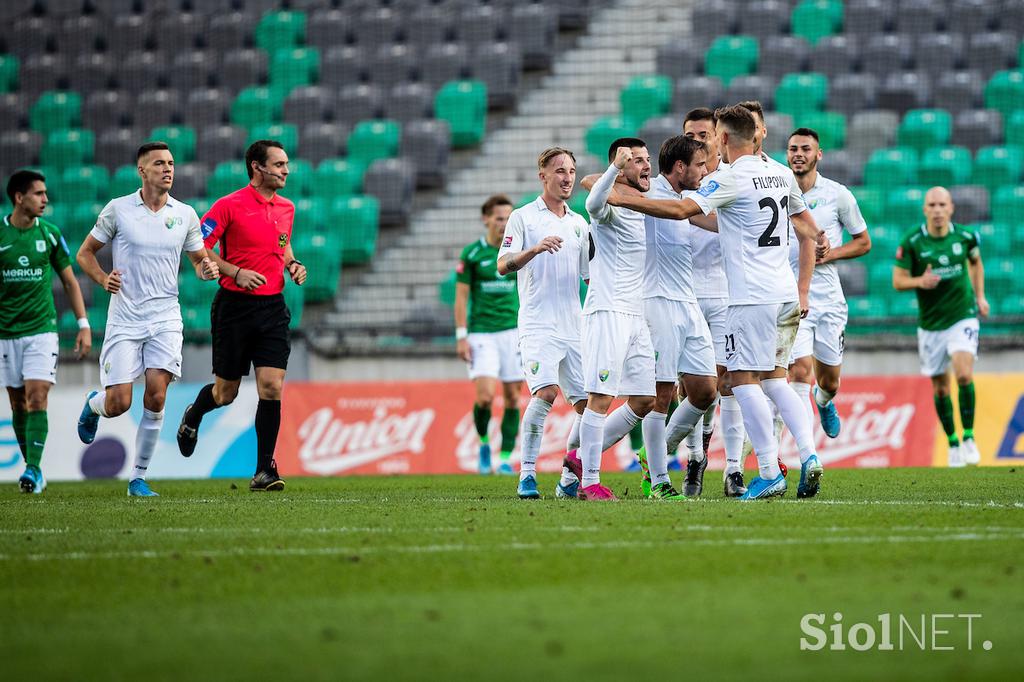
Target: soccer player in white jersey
548	245
818	350
752	199
147	231
683	346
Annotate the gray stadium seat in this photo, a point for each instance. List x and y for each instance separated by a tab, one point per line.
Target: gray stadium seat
938	53
392	182
309	104
763	18
13	111
779	127
852	92
853	275
991	52
679	59
972	16
242	68
343	65
479	24
20	147
92	71
376	27
754	87
105	108
30	35
428	26
181	30
128	33
955	90
697	91
499	66
870	130
717	17
903	91
139	71
782	55
220	143
60	8
157	108
1011	16
358	102
193	69
834	55
428	144
15	8
325	28
206	107
918	16
190	180
443	63
971	203
841	165
977	128
883	54
319	141
409	102
655	131
117	145
392	64
42	72
79	34
229	31
533	28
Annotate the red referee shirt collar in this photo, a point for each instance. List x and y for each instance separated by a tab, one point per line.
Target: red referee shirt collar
259	197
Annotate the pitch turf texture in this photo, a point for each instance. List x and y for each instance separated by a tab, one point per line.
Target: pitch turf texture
454	578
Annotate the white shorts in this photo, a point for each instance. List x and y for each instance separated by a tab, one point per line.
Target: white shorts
30	358
714	310
681	339
495	354
618	357
761	336
128	353
822	334
936	348
549	361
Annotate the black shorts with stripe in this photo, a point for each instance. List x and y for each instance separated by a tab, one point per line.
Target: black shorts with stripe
248	330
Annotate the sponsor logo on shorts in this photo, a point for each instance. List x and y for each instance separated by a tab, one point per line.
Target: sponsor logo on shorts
708	189
603	374
208	226
534	366
282	240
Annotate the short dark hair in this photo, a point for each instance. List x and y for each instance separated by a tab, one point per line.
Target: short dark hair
150	147
738	121
678	148
21	181
753	106
806	132
700	114
493	202
624	142
257	152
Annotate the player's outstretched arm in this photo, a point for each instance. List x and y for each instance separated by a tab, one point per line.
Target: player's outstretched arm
706	222
976	271
83	341
673	209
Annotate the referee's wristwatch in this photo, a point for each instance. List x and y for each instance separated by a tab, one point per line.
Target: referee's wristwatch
295	261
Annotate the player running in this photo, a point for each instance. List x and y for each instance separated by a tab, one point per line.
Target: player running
765	301
147	231
489	341
941	261
822	332
31	251
548	245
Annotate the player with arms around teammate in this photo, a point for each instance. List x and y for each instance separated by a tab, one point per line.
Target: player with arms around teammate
547	245
818	349
753	199
486	311
941	261
249	318
147	231
31	251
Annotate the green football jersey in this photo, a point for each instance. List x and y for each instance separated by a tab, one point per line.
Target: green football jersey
493	299
953	299
28	259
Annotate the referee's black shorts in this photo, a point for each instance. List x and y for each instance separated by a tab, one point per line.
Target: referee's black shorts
248	330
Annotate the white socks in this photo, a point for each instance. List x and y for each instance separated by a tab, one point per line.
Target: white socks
757	418
803	392
591	435
733	434
654	443
145	440
694	446
793	414
822	397
574	434
531	432
682	422
96	404
620	422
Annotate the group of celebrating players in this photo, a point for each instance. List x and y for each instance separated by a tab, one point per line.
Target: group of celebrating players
713	283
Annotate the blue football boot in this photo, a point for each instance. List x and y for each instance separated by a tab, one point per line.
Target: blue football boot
829	417
138	487
528	489
88	421
810	477
760	489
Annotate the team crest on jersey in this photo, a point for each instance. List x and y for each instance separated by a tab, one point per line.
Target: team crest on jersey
603	374
534	366
577	230
282	240
708	188
958	249
812	204
41	246
944	259
171	221
106	367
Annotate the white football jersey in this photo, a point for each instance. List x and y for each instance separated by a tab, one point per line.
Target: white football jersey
668	268
549	285
708	269
834	209
620	242
147	250
754	199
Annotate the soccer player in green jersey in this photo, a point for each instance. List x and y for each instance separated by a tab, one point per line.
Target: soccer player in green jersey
486	315
31	250
941	261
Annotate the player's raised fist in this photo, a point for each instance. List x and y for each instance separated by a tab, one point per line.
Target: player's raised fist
622	157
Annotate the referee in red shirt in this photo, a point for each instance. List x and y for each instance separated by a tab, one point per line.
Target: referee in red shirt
249	318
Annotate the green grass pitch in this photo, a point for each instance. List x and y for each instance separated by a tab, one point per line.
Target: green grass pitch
447	578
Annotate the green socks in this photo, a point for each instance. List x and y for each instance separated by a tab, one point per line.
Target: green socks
944	408
18	419
36	427
509	431
481	418
966	399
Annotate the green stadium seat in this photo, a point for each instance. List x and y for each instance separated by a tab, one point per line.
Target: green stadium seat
464	105
338	178
277	30
256	105
294	298
880	277
294	66
799	93
1008	306
68	147
446	289
196	322
300	179
125	180
97	314
321	254
200	204
945	166
578	203
890	167
226	178
193	291
1005	92
884	238
58	214
830	126
867	307
871	200
357	221
84	183
1014	128
81	221
55	110
815	19
904	206
998	166
780	156
1001	275
645	97
310	214
285	133
925	128
9	65
731	56
526	199
996	239
181	140
372	140
606	130
1008	205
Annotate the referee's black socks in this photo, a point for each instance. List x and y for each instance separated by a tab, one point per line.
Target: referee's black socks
204	403
268	423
